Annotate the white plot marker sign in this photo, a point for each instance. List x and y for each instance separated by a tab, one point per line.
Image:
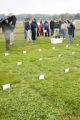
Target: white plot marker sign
53	48
4	87
40	59
67	70
19	63
6	54
39	50
73	53
60	55
24	52
41	77
77	45
67	46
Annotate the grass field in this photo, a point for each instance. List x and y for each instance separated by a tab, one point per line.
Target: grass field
57	97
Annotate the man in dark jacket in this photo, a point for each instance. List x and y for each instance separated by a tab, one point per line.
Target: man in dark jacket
41	28
46	28
33	29
70	31
52	27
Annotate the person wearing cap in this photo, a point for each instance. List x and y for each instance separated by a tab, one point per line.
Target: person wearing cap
7	30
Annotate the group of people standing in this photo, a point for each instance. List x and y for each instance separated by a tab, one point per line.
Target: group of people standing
37	28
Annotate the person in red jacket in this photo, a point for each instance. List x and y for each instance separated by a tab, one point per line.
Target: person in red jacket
39	29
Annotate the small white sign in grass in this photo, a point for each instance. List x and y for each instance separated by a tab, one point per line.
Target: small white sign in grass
53	48
39	50
40	59
56	40
6	54
24	52
19	63
67	70
77	45
60	55
73	53
67	46
41	77
4	87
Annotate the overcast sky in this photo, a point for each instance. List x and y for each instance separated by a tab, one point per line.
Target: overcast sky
39	6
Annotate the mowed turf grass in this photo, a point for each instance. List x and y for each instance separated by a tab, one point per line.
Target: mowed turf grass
57	97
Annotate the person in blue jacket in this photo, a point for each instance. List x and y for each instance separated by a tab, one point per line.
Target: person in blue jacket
33	29
70	31
46	28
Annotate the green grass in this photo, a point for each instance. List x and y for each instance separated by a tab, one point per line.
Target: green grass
57	97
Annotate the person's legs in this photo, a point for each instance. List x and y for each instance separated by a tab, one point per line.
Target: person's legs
25	34
29	35
7	44
48	32
32	35
71	39
64	34
11	38
56	31
52	32
42	32
73	34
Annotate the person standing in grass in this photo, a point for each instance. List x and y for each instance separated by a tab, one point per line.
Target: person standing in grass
7	30
29	39
12	33
70	31
46	28
41	28
25	32
74	27
33	29
56	27
52	27
63	29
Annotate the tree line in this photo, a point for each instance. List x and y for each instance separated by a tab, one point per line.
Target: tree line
21	17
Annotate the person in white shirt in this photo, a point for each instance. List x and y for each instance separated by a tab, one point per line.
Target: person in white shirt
63	29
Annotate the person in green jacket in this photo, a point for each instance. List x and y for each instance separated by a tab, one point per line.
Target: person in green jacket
56	27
